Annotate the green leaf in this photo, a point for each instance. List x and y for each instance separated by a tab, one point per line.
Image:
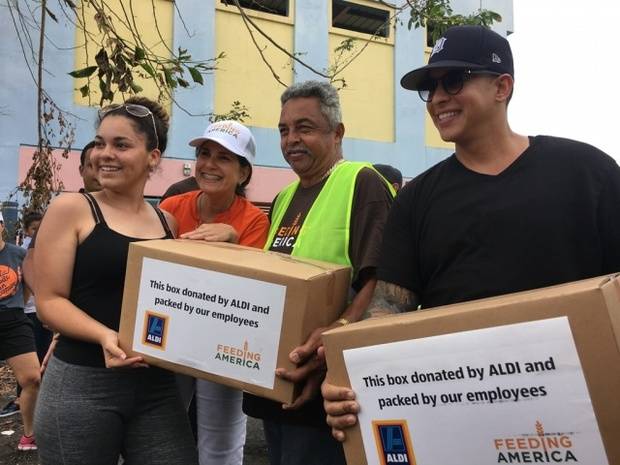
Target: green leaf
148	68
183	82
84	72
139	54
196	76
136	88
170	82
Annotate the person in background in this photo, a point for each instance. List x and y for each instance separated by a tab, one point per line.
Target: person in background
181	187
31	223
90	184
505	213
16	336
219	211
44	339
87	170
42	335
393	175
335	212
95	402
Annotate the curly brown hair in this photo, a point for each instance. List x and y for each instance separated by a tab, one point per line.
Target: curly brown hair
145	125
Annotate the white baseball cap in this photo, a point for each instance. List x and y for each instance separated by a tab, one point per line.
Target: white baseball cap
231	135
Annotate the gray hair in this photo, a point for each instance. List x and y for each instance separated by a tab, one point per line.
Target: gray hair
326	93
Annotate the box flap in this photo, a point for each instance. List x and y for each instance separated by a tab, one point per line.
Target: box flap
591	284
241	257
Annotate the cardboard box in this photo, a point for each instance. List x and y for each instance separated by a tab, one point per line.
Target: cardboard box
224	312
531	377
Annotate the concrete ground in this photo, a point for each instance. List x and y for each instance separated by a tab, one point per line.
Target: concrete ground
255	452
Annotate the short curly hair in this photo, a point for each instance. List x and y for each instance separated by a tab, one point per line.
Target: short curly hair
326	94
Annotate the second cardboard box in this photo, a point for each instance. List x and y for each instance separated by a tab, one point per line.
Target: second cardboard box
532	377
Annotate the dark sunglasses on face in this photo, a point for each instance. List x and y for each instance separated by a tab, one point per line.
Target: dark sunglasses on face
452	82
139	111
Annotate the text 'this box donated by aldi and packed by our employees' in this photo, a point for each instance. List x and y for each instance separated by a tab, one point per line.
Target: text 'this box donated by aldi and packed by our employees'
227	313
530	377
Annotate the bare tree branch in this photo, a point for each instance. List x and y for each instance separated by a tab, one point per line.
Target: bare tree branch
275	44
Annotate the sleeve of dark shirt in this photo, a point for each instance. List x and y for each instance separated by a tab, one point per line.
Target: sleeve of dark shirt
398	251
609	220
371	204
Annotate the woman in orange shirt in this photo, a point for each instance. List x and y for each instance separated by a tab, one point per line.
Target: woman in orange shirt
219	212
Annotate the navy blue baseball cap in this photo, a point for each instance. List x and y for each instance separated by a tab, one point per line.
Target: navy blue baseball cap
465	47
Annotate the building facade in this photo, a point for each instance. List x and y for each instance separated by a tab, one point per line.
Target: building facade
384	123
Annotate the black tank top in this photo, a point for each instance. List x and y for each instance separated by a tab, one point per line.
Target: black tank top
97	284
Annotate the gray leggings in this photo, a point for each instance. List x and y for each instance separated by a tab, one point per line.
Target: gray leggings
88	415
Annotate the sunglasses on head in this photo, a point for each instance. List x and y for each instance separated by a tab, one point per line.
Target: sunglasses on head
452	82
133	109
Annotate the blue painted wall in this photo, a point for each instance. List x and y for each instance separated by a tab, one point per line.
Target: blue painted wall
18	92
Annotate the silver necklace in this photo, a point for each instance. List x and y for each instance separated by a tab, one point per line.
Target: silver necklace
331	170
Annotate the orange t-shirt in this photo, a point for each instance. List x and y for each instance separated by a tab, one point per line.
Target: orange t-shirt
251	224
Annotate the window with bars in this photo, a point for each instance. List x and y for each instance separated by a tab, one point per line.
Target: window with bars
274	7
360	18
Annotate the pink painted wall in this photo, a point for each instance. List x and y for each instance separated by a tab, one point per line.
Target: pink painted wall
266	182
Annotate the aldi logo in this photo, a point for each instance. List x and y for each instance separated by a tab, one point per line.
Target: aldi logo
155	329
393	442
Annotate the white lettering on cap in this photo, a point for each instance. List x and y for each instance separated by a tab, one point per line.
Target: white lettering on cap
495	58
438	46
226	128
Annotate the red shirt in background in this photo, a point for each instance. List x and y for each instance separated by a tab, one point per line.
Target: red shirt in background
251	224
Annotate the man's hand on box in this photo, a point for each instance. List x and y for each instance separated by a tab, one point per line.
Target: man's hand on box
310	368
310	350
341	407
213	232
114	355
310	390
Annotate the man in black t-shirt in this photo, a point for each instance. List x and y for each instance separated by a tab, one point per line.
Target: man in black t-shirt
309	219
504	213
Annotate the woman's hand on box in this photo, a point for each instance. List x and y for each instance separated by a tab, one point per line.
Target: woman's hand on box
114	355
341	408
213	232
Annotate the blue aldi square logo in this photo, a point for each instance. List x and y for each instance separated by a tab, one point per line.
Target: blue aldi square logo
155	330
393	442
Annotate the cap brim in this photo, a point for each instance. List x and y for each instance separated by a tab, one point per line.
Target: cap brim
198	141
413	79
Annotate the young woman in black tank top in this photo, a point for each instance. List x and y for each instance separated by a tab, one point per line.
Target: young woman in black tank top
95	402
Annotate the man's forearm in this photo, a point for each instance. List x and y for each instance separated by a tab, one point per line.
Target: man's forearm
355	310
389	298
